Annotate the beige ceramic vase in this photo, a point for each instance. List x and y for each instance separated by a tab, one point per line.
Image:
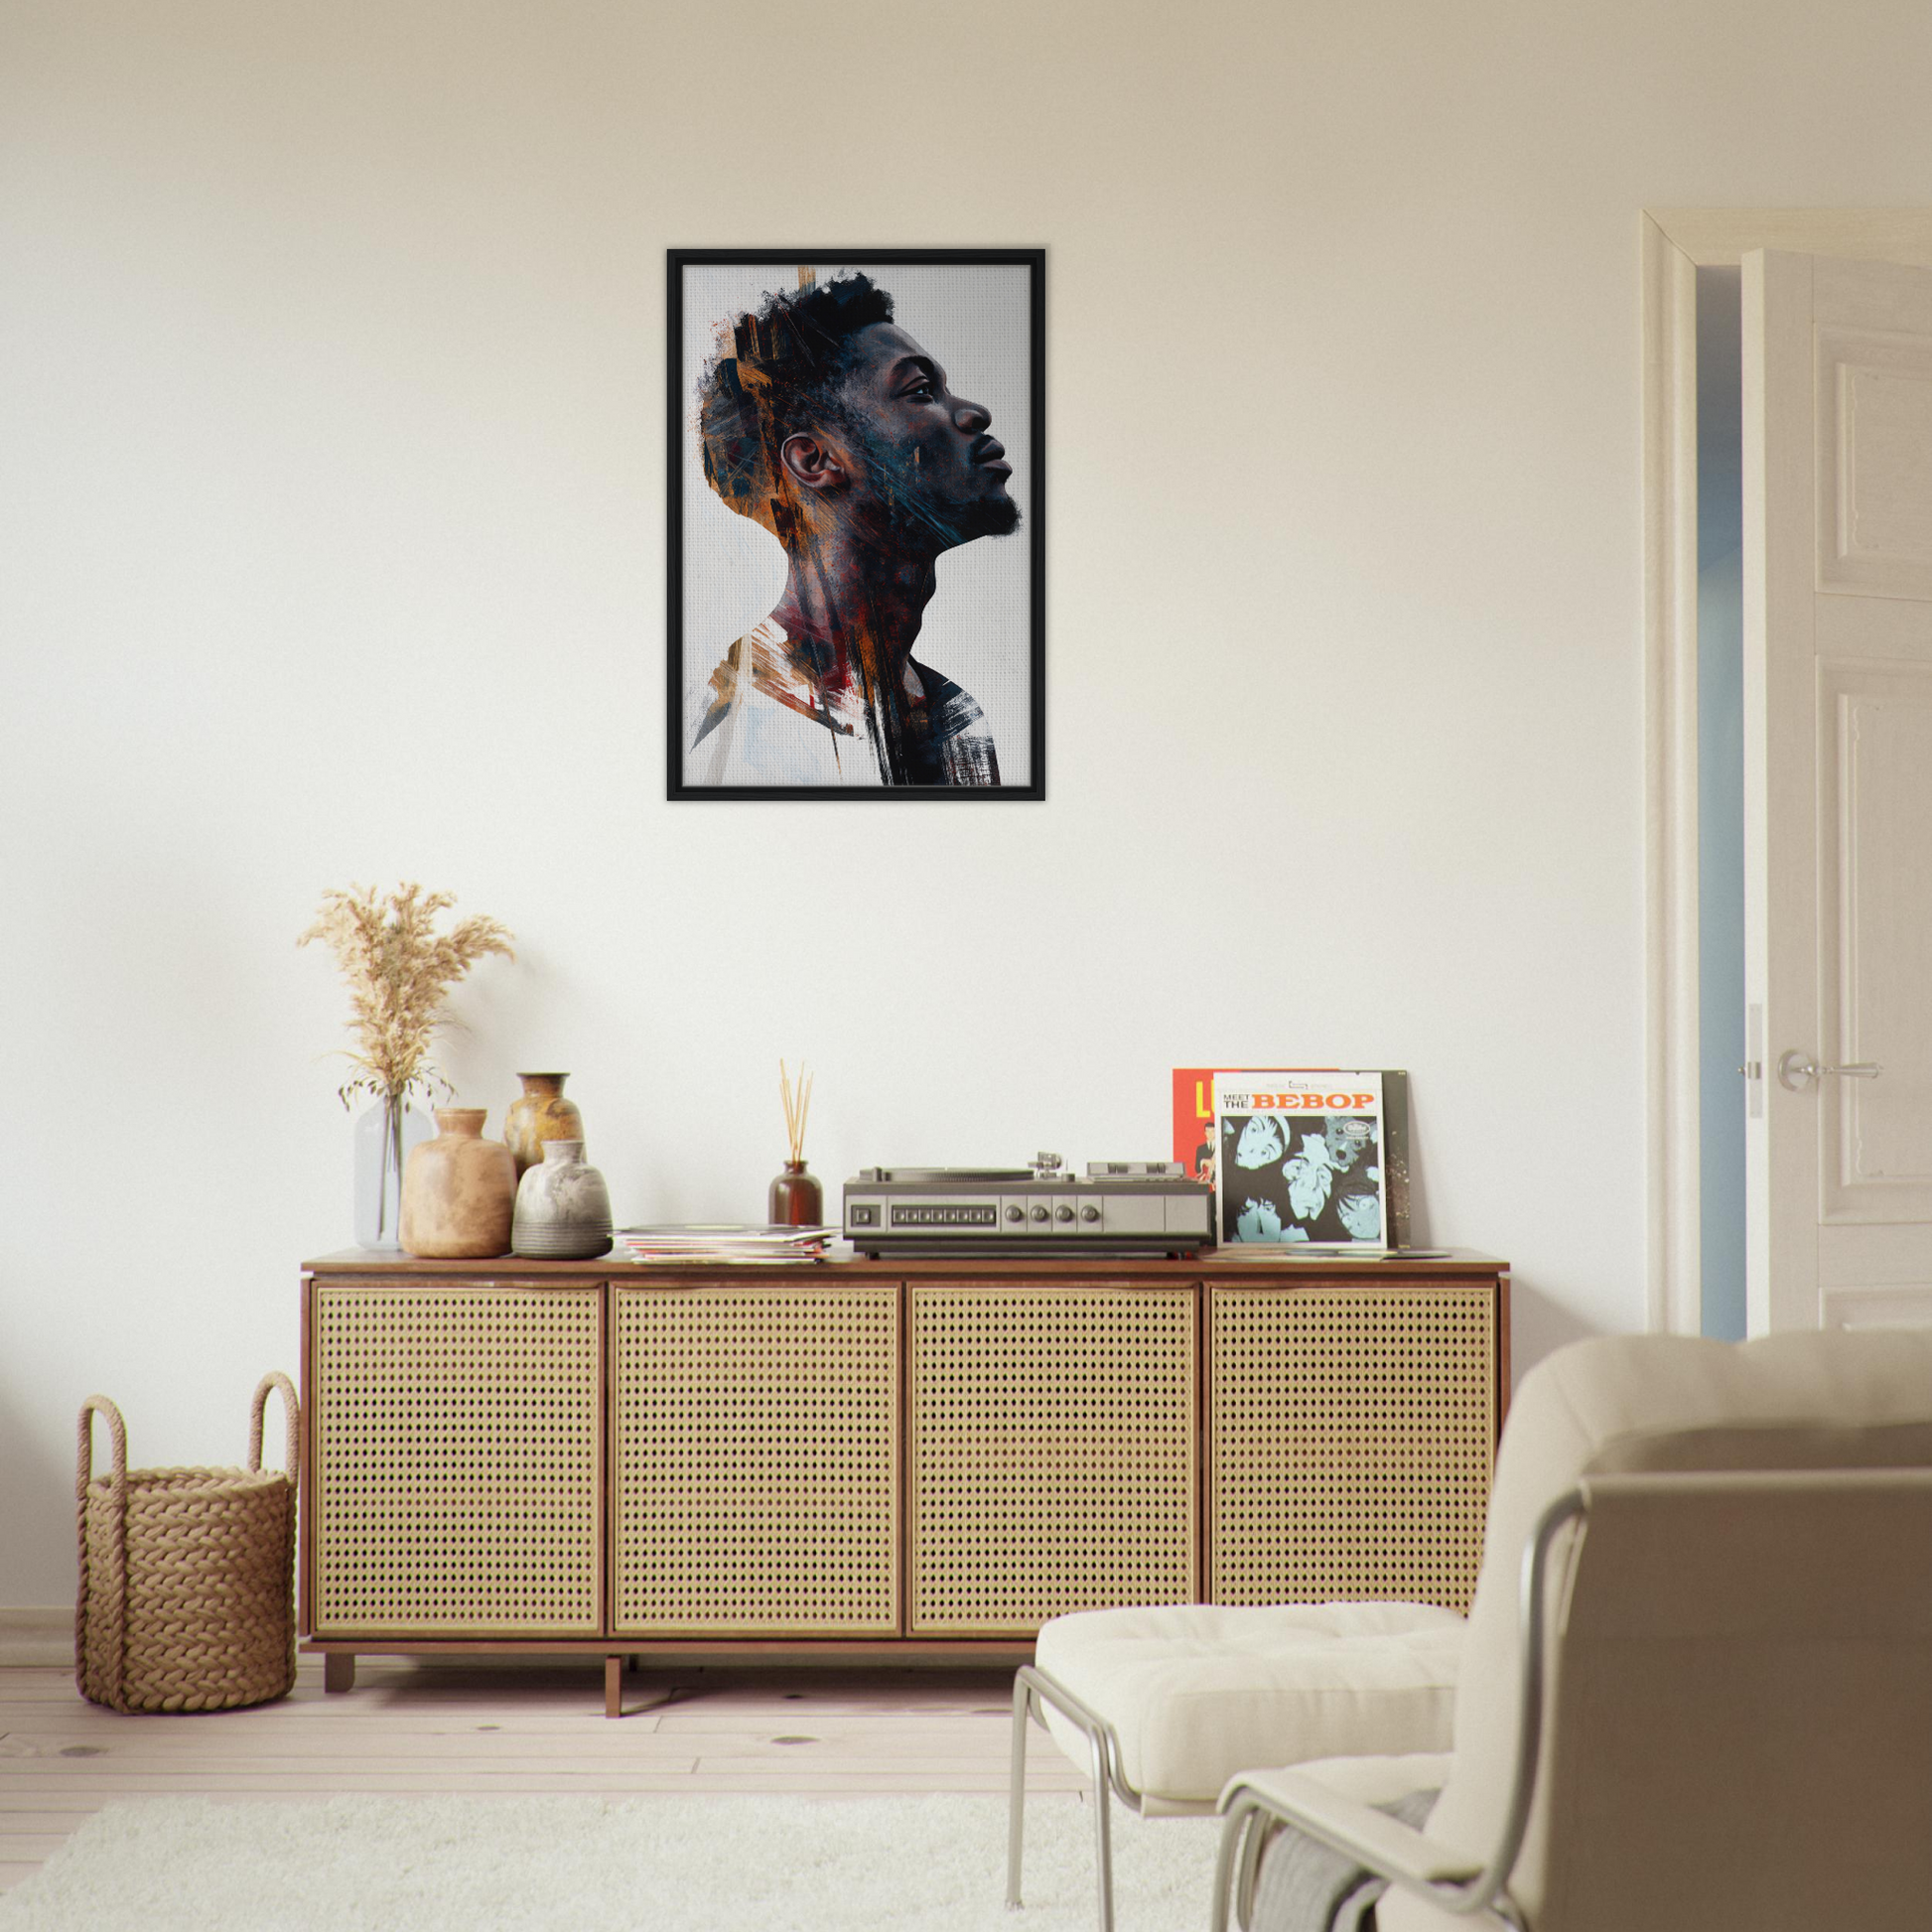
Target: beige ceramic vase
540	1114
459	1191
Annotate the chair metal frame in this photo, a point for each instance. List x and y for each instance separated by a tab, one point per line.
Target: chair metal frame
1033	1689
1253	1815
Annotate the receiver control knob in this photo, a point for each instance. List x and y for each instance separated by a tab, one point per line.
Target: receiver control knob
1039	1214
1089	1213
1063	1213
1015	1212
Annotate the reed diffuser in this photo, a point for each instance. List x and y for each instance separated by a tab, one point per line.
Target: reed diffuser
795	1200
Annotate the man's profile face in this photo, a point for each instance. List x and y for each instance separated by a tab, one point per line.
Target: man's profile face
926	475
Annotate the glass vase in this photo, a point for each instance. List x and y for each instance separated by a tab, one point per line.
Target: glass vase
385	1135
795	1199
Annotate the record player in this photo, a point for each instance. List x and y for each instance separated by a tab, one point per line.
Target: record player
1129	1207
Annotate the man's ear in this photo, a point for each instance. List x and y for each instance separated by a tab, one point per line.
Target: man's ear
812	463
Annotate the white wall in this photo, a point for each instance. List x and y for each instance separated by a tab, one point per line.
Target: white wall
332	445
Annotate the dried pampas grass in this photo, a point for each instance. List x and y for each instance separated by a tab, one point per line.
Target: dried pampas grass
399	969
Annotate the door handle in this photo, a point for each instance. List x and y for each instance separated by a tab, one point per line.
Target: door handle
1797	1070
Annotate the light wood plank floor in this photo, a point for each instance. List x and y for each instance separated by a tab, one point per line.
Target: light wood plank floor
509	1727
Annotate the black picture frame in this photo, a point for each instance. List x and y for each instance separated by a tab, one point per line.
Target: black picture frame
684	460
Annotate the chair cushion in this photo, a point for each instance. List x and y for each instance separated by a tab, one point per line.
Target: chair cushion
1197	1692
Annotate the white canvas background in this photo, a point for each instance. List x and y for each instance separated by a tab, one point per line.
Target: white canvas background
974	319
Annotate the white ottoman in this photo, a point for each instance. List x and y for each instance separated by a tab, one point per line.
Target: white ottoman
1165	1705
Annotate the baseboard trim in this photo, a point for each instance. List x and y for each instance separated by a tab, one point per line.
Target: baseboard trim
40	1635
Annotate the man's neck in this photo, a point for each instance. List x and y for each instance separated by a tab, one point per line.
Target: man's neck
857	609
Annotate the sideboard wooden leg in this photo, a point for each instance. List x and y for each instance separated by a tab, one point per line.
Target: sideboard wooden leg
613	1687
339	1669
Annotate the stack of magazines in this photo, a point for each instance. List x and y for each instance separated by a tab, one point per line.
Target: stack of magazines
699	1241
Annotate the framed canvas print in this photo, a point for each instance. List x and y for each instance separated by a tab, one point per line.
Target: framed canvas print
855	518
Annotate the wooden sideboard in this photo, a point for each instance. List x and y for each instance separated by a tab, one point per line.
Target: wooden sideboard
879	1459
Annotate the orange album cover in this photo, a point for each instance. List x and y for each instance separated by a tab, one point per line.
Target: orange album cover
1193	1112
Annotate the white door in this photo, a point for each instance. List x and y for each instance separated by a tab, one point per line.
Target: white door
1838	780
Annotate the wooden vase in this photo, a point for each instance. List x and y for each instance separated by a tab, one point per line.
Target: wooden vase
459	1191
540	1113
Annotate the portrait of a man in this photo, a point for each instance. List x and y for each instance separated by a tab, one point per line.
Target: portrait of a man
843	619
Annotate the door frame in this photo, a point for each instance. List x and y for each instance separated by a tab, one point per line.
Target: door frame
1676	242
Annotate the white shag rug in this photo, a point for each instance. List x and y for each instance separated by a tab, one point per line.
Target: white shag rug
753	1864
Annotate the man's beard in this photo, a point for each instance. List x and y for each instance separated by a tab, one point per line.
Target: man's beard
920	520
913	516
983	516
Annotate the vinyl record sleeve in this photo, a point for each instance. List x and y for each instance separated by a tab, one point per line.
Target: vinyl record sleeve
1199	1147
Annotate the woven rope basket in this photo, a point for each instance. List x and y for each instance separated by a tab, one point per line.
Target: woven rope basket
186	1575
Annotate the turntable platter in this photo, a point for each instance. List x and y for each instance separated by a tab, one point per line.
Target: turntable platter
938	1176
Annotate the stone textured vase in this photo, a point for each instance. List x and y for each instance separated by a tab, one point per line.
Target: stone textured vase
459	1191
563	1208
539	1113
795	1199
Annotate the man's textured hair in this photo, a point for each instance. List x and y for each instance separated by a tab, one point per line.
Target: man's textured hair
779	375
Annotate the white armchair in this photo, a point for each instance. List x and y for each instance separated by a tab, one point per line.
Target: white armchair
1697	1685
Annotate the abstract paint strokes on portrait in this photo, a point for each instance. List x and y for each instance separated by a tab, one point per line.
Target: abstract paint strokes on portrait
762	716
952	741
803	721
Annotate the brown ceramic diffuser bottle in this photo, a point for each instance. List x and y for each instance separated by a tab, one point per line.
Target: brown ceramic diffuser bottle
795	1199
459	1191
539	1113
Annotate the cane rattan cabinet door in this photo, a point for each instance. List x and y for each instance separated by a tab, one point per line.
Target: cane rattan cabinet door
1054	1464
1351	1440
756	1454
457	1478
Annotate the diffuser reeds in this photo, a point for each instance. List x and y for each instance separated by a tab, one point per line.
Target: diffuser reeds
798	1103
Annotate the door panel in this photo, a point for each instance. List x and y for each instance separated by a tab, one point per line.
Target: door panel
1874	463
1837	626
456	1462
1351	1438
755	1446
1054	1455
1874	750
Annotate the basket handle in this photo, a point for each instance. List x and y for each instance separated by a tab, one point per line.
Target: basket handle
117	1433
291	1409
112	1642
